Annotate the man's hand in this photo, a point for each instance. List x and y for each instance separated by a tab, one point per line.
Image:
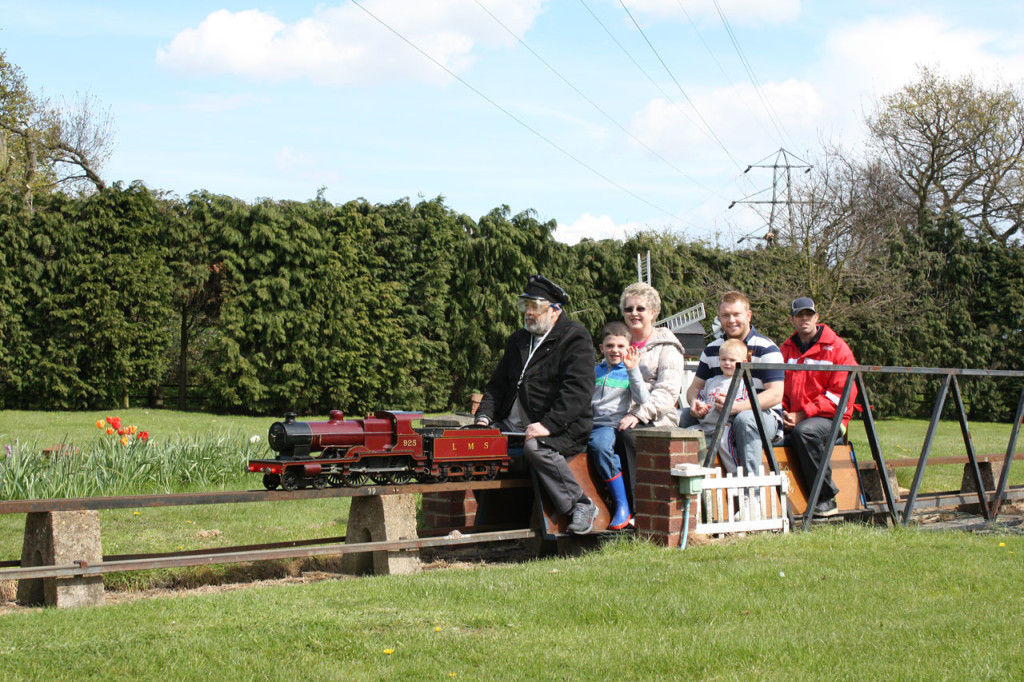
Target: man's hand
699	409
628	422
791	419
536	430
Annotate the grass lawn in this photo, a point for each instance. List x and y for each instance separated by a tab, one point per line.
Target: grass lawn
838	602
904	438
45	429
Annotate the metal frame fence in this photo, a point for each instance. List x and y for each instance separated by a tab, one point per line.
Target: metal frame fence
855	375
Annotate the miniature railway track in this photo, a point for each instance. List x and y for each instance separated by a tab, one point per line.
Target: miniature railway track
241	496
931	501
11	570
229	555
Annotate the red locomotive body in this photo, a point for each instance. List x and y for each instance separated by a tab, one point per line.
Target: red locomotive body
383	447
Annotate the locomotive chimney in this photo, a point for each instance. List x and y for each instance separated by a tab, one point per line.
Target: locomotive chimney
289	417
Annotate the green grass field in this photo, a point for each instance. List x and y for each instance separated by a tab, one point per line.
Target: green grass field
839	602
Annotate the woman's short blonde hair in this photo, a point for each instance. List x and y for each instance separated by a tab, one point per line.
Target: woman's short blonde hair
644	291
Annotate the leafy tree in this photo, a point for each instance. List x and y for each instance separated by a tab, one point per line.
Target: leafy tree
420	245
502	252
956	146
20	271
192	234
96	302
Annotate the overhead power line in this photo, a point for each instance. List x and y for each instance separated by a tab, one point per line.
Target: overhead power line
508	113
707	126
593	103
776	123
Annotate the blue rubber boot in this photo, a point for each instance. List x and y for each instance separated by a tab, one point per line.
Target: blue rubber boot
621	518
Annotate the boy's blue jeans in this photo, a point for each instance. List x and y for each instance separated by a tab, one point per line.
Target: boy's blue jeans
602	452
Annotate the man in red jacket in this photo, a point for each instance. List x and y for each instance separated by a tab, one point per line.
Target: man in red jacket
810	399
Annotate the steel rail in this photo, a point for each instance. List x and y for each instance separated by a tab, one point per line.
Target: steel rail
423	532
931	501
243	496
210	557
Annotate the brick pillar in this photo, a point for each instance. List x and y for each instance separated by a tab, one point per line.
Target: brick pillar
449	510
659	506
454	508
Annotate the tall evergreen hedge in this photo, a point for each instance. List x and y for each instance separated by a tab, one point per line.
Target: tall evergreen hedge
127	294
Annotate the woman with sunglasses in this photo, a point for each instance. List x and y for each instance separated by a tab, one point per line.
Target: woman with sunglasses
661	366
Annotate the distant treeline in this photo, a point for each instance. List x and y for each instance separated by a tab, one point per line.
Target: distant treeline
310	306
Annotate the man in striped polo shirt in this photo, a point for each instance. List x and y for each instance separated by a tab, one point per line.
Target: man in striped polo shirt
734	314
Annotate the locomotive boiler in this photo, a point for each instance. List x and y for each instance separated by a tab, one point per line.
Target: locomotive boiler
383	447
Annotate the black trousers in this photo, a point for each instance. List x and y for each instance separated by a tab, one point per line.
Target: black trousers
554	475
807	439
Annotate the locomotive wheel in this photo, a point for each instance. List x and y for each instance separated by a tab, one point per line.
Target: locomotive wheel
381	479
355	480
271	481
400	477
467	473
442	477
289	481
320	482
492	472
336	480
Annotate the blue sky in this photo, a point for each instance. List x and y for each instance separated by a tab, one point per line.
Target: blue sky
564	107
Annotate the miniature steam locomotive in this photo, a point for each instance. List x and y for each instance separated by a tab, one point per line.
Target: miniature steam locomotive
383	448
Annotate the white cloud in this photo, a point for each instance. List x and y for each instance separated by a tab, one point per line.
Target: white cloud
593	227
864	61
740	12
677	132
288	159
344	44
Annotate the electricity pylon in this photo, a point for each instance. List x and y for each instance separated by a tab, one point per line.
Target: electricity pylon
782	182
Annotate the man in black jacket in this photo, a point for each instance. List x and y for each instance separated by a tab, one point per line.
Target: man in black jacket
542	387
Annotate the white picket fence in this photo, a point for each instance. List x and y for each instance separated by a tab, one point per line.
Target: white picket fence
738	503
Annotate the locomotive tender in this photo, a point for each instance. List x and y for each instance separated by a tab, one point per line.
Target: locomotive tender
383	448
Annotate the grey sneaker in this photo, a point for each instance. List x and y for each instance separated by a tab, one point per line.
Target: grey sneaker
826	507
583	516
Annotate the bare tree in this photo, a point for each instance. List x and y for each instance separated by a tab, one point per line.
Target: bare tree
843	219
956	146
80	143
49	146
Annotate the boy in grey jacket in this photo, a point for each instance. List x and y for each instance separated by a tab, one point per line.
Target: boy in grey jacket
619	385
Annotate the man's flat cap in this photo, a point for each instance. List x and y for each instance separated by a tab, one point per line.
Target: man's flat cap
540	287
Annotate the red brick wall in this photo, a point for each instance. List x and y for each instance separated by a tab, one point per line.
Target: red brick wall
659	506
449	509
